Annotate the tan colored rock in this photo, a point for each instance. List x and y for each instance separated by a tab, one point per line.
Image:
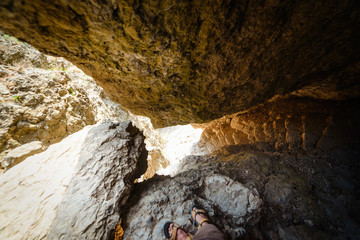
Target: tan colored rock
3	90
195	61
286	123
45	98
19	154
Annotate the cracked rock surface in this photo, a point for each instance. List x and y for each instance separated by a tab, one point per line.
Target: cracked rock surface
292	123
44	99
75	189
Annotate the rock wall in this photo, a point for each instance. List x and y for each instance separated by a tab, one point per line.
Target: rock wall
292	123
80	188
75	189
154	144
44	99
195	61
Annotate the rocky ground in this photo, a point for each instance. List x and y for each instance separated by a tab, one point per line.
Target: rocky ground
42	100
253	194
249	193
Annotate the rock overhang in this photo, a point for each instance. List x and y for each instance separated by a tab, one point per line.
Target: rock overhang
194	61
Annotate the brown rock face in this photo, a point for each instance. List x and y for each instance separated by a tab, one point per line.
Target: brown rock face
194	61
295	124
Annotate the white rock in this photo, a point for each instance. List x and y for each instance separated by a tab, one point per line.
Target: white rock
31	191
19	154
4	90
75	189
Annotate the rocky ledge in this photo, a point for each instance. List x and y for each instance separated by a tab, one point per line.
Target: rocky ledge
195	61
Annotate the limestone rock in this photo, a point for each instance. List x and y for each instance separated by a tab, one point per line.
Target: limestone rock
75	189
231	197
167	146
195	61
18	154
45	98
230	205
3	89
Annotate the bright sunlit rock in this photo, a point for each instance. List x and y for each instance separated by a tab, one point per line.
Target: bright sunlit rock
167	146
180	141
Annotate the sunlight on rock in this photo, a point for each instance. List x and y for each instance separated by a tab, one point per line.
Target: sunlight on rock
167	146
180	141
37	186
72	180
45	99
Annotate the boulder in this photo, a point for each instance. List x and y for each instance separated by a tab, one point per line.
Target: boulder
75	189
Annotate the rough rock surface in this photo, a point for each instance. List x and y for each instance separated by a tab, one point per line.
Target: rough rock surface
194	61
301	232
45	99
154	144
19	154
292	123
229	203
309	195
76	188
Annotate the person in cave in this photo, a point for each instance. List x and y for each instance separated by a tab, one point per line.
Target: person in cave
206	230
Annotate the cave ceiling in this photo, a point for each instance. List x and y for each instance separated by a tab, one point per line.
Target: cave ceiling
181	62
